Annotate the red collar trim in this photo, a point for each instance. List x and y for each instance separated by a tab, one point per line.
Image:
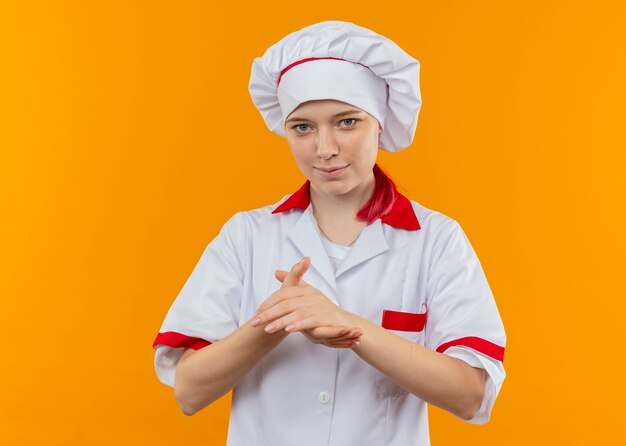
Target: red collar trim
400	216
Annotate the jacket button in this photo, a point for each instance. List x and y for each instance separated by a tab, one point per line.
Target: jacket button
323	397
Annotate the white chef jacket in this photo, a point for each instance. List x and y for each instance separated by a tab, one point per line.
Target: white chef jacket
413	271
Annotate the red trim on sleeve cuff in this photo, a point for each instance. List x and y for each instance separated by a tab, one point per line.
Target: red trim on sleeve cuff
480	345
179	340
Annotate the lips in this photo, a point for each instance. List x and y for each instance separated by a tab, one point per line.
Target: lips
331	169
331	172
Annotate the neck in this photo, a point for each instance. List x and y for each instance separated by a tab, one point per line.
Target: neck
336	210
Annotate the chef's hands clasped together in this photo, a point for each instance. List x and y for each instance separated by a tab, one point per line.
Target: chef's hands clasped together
297	306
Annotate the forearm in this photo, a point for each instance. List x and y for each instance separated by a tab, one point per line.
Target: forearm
439	379
208	373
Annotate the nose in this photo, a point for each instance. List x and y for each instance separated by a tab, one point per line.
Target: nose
326	144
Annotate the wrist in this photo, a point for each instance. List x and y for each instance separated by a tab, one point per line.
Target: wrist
353	320
261	336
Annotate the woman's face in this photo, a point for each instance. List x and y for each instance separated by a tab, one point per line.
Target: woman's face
334	144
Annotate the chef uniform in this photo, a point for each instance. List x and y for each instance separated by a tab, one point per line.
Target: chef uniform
412	271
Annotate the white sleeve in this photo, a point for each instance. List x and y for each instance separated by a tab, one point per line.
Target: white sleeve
207	307
463	320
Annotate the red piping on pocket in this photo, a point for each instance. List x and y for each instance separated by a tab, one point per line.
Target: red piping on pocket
401	321
178	340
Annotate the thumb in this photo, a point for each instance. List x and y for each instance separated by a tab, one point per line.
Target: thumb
294	276
282	274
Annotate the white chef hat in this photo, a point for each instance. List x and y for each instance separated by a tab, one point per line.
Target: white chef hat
341	61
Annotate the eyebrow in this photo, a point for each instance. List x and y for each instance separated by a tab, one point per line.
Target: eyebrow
344	113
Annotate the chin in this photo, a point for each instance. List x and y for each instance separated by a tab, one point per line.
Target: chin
334	187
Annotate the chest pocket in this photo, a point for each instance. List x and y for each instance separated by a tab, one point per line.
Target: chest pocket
409	326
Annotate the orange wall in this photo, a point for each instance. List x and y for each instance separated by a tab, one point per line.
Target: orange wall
128	137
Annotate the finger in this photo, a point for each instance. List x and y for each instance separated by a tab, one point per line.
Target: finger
297	271
335	333
330	332
348	344
310	337
288	305
291	318
339	342
308	318
340	331
294	276
325	334
281	315
281	295
356	332
282	274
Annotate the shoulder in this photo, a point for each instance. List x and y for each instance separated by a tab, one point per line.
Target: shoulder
433	222
439	232
442	234
243	228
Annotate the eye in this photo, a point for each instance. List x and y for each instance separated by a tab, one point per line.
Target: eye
301	128
349	122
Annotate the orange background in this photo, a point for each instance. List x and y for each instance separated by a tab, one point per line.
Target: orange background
128	138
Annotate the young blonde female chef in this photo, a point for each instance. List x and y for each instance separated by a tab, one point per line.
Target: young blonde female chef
337	313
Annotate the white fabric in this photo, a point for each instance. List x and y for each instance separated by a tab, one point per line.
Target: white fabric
331	396
336	253
333	79
353	43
